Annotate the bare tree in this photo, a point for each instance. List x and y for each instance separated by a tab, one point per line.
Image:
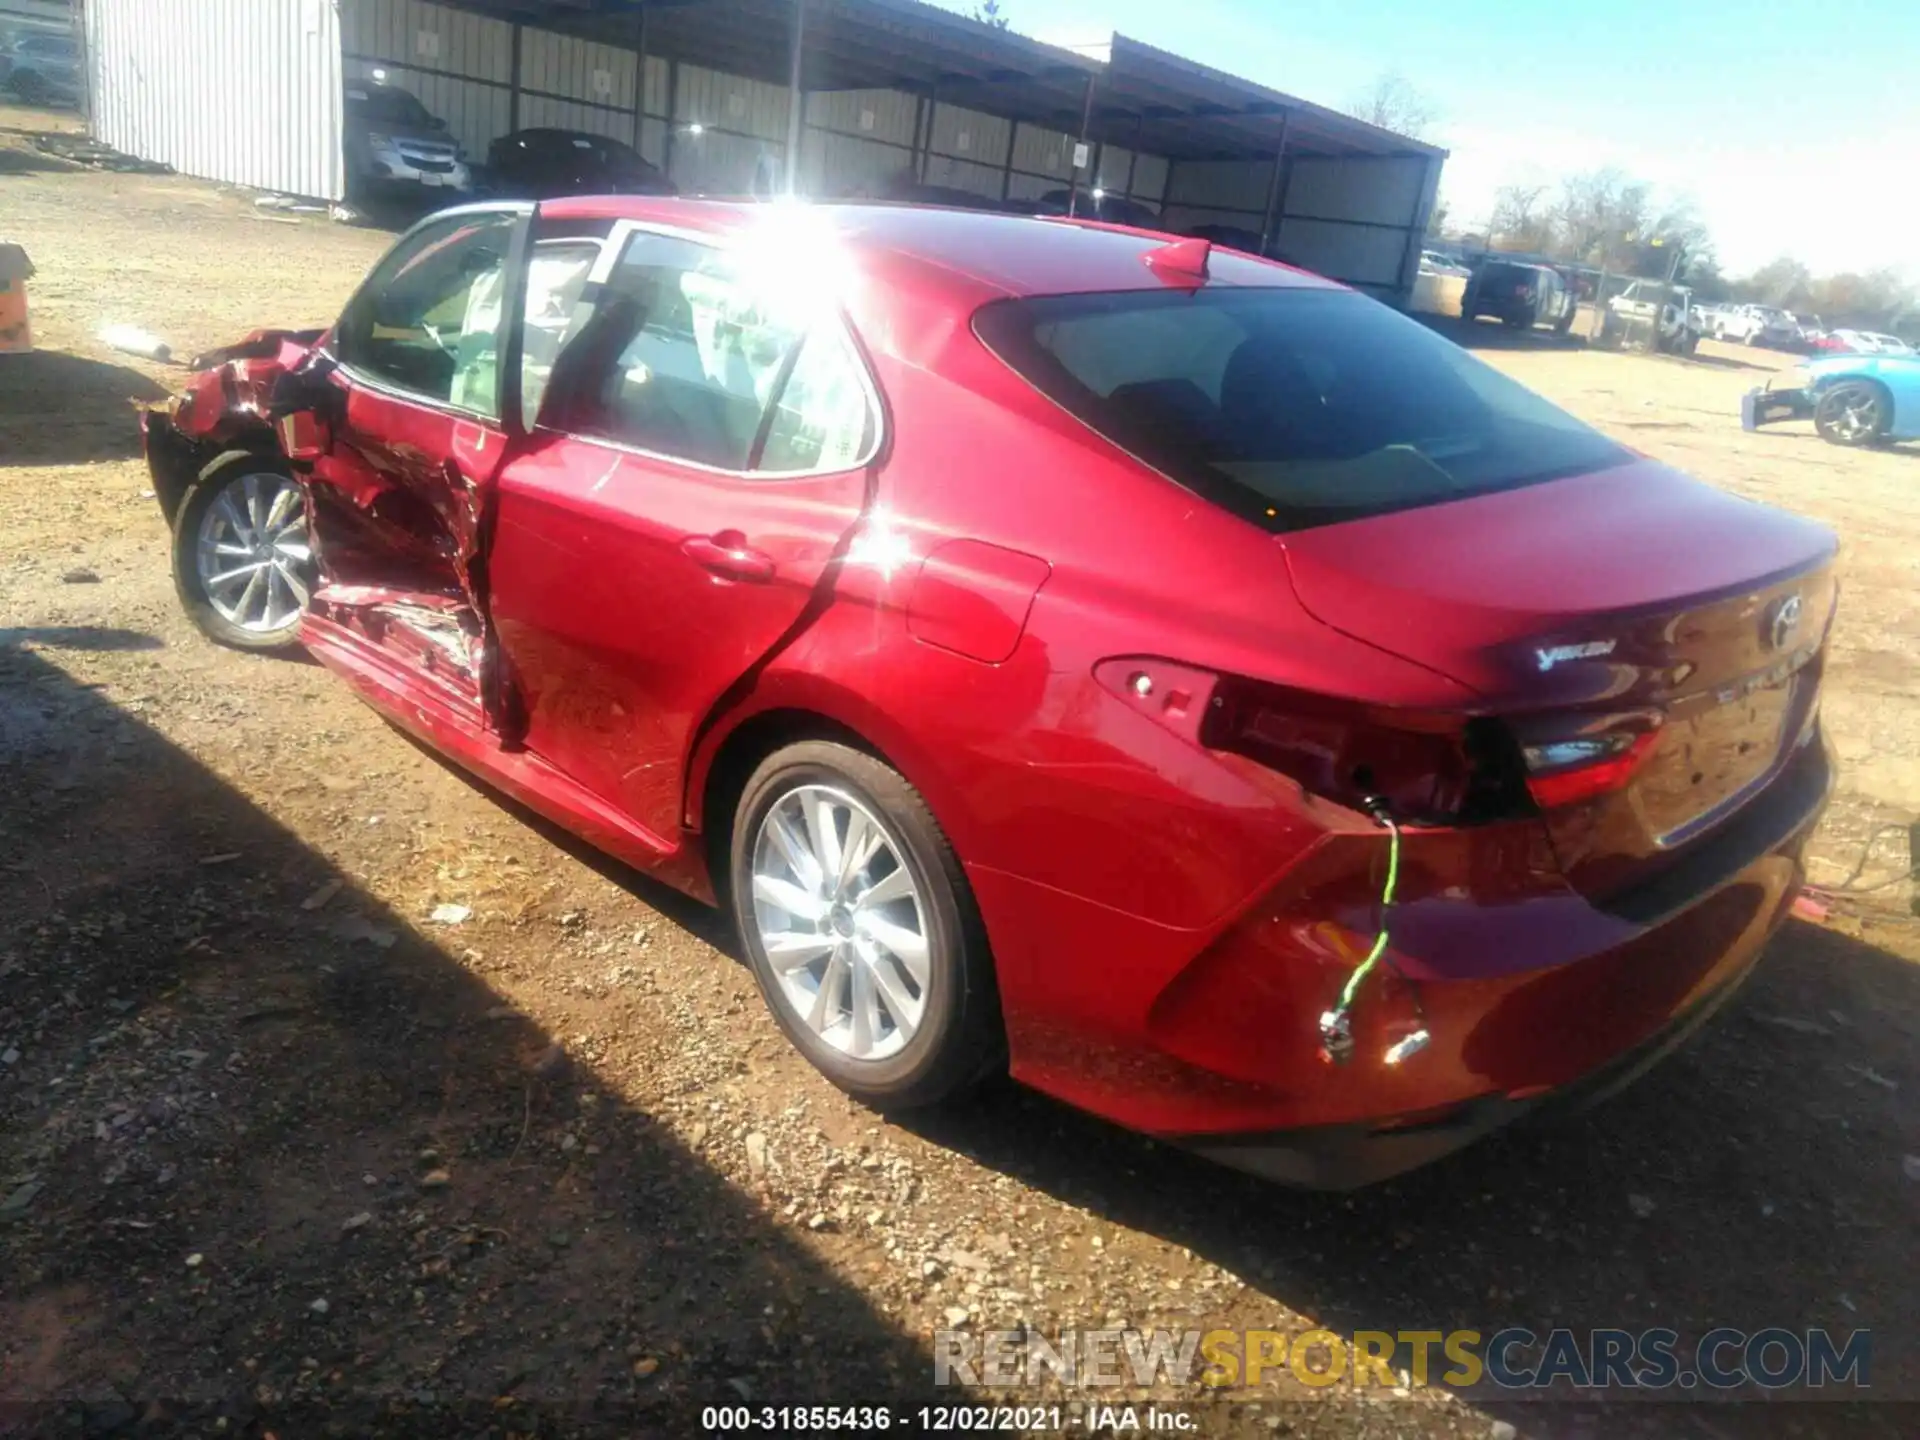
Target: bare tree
1520	220
1393	103
1783	282
988	12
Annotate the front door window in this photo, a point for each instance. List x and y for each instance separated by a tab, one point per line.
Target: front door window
427	323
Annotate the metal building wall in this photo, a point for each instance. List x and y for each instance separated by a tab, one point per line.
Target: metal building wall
231	90
1219	192
856	142
1358	219
967	150
741	139
577	85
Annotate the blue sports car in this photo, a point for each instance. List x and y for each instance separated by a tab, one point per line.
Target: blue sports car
1851	399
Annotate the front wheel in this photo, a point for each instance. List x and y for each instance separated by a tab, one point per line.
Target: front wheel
861	927
242	556
1852	413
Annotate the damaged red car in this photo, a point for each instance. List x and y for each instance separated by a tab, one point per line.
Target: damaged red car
1160	673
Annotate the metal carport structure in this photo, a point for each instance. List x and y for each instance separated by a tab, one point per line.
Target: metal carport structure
721	93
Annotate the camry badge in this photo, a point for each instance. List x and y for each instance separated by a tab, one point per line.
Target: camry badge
1556	654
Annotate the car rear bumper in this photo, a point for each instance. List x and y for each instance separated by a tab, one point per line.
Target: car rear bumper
1346	1157
1574	1032
1770	407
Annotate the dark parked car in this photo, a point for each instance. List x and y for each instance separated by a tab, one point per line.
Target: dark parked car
1518	295
1196	687
1100	205
541	164
394	145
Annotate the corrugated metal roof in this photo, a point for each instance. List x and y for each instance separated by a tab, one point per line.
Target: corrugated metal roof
1143	96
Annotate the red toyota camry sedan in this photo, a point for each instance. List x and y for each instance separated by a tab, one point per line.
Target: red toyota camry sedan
1163	674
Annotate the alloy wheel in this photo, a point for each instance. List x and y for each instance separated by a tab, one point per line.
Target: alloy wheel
842	922
252	553
1856	419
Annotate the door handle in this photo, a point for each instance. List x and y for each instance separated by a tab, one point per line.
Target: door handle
727	553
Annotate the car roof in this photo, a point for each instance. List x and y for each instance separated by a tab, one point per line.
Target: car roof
1011	254
563	132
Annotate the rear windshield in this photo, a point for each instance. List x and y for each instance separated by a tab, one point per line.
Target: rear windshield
1291	407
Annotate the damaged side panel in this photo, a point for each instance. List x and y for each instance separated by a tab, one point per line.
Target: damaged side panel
406	444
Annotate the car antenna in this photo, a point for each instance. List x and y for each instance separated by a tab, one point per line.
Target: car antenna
1182	262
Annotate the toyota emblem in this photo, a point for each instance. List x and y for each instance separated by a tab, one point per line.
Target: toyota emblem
1786	620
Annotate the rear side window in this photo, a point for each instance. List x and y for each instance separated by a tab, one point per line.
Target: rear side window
1291	407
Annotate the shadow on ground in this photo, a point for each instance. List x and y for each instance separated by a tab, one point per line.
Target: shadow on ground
220	1134
58	409
28	162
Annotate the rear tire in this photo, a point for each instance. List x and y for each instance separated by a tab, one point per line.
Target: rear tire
1853	413
956	1038
205	536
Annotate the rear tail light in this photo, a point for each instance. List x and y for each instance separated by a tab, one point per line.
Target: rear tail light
1525	292
1428	768
1583	767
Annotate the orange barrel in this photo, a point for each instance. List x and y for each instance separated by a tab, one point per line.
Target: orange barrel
16	335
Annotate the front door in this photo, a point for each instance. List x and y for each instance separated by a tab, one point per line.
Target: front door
401	496
701	455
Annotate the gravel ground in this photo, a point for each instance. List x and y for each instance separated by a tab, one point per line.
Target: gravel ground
281	1153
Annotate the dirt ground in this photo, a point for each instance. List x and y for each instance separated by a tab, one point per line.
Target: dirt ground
279	1154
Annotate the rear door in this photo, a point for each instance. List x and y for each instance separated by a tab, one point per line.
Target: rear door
703	451
401	495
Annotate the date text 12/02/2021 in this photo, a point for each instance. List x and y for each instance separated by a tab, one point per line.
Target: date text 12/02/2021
943	1419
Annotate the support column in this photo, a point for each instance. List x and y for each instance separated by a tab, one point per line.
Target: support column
673	118
513	93
1086	123
917	157
639	77
1271	218
796	98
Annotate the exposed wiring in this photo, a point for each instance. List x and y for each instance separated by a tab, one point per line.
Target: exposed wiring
1336	1025
1365	967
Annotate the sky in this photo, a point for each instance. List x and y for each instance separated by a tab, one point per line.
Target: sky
1792	125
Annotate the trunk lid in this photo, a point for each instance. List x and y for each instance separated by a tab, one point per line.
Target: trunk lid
1631	601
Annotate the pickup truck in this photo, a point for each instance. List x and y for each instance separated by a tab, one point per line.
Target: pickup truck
1756	325
1647	303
